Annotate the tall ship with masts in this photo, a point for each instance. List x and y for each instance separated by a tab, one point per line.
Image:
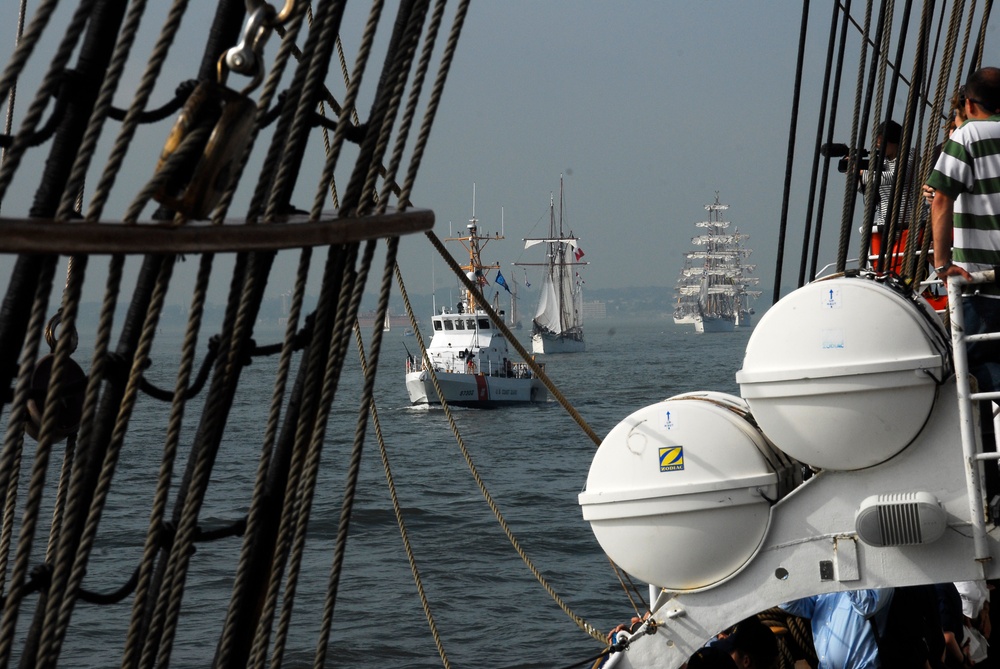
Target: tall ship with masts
558	323
712	290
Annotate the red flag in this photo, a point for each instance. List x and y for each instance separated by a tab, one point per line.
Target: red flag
579	253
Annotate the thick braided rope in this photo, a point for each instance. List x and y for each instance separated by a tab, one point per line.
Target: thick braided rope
350	98
309	399
399	72
214	413
71	568
580	622
918	225
873	201
161	495
49	85
172	589
419	76
270	435
76	268
277	148
322	106
338	346
965	39
351	295
417	20
36	486
435	100
58	509
354	467
944	75
26	42
324	321
397	511
10	508
139	101
316	43
12	94
987	12
847	216
929	140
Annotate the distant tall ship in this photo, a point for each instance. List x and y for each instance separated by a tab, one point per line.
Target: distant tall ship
558	323
712	290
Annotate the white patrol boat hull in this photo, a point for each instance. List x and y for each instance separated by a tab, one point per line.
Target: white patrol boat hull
546	342
474	390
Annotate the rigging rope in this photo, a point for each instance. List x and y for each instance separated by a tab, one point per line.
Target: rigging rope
580	622
397	511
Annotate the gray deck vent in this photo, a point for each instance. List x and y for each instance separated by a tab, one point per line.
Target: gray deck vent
900	519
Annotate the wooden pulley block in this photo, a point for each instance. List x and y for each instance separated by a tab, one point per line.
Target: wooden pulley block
68	405
195	187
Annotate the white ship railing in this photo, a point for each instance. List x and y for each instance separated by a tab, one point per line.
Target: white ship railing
971	444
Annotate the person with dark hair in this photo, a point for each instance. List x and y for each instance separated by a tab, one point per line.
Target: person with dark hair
750	643
965	220
710	657
887	138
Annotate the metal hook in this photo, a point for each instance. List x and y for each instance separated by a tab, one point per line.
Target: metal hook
245	57
50	333
280	17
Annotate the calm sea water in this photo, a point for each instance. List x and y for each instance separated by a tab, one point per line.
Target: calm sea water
489	609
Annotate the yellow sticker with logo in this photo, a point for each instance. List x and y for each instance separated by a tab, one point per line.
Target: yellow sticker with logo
671	458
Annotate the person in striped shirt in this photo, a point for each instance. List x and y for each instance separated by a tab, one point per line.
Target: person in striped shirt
965	211
965	221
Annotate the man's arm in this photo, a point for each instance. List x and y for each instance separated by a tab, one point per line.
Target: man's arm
942	228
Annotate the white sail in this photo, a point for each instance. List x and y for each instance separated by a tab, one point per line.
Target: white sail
558	323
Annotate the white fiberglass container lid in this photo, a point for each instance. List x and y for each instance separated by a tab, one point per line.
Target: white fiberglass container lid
842	373
677	493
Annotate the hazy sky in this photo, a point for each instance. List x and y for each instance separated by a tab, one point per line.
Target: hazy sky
648	109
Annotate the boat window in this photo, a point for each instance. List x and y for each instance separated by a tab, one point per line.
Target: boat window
484	324
437	325
459	324
449	325
471	323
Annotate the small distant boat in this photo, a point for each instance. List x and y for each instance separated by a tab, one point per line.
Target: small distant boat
468	354
407	333
558	323
711	290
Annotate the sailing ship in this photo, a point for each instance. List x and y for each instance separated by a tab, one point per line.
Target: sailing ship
468	357
711	291
850	377
557	326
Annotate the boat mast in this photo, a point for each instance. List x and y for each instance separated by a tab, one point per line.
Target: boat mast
565	301
474	243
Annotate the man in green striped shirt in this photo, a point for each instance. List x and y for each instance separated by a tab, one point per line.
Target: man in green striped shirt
965	220
966	181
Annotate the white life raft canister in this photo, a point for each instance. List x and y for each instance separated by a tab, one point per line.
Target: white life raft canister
679	492
842	373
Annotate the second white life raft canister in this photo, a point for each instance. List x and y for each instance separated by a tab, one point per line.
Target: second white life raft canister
842	373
